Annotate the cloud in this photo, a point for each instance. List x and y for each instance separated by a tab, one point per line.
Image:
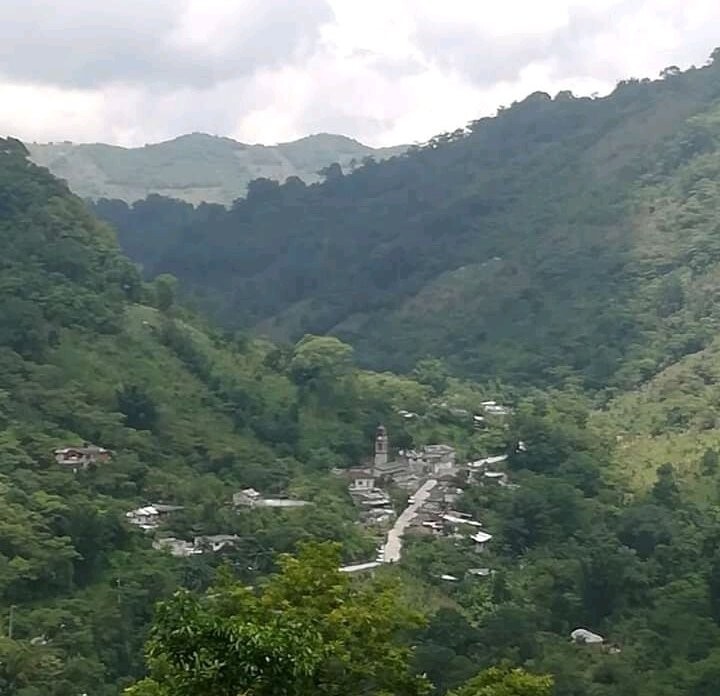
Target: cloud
88	44
384	71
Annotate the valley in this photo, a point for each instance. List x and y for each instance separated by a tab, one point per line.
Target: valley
454	414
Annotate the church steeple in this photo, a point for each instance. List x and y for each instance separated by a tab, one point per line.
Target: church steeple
381	446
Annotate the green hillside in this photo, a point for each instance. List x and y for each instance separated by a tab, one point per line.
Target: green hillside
610	522
195	167
566	236
91	354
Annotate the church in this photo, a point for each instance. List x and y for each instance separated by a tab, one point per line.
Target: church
431	460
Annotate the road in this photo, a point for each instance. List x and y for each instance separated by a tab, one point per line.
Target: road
393	546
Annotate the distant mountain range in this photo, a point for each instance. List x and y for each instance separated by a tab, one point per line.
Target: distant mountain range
195	167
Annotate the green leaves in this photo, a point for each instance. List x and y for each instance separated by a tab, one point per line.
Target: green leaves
309	631
506	682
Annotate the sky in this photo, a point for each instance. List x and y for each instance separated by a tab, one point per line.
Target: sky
386	72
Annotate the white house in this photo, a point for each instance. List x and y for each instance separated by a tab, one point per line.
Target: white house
216	542
481	539
582	636
361	480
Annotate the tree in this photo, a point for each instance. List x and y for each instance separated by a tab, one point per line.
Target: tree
165	286
433	372
506	682
665	490
308	631
137	406
332	172
319	363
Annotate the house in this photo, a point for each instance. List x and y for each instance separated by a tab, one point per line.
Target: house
495	409
248	497
390	470
361	480
282	503
377	517
456	524
374	499
360	567
176	547
581	636
436	456
149	517
407	482
216	542
82	457
499	478
480	572
482	464
481	539
435	527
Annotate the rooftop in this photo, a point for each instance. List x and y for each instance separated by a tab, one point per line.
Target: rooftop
360	567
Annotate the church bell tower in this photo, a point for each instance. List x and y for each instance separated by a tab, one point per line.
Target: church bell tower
381	446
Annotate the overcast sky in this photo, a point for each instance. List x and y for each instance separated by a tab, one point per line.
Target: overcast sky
382	71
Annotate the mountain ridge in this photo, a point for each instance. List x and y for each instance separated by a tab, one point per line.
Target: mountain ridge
500	248
195	167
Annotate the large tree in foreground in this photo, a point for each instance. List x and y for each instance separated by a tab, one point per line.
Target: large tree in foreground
309	630
506	682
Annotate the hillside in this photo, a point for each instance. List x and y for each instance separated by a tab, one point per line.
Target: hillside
89	353
195	167
593	531
566	236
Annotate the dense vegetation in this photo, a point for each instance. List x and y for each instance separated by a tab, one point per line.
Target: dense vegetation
195	167
611	522
566	236
90	353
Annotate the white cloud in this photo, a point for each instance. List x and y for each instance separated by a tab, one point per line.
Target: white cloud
384	71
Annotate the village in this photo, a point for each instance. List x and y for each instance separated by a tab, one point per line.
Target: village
430	479
434	481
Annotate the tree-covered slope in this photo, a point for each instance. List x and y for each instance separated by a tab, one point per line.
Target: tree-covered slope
89	353
195	167
565	236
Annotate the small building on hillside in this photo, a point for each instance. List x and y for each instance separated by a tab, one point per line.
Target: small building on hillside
149	517
360	480
360	567
82	457
249	497
581	636
499	478
216	542
481	539
176	547
493	408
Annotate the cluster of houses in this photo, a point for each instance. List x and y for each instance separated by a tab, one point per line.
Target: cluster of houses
199	545
479	420
435	481
150	518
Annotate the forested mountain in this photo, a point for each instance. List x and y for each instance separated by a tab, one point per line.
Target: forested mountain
566	236
609	521
89	353
195	167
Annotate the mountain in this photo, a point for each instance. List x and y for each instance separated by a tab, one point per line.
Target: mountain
195	167
565	236
188	416
609	522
